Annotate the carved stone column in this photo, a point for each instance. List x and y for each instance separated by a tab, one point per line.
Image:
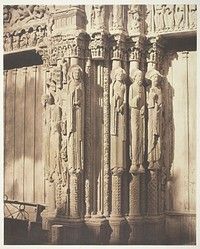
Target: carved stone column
118	150
137	144
155	149
97	224
118	223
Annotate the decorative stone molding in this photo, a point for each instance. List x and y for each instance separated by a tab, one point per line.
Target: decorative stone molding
106	139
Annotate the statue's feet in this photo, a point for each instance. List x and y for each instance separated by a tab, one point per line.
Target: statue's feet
156	165
151	165
141	169
133	169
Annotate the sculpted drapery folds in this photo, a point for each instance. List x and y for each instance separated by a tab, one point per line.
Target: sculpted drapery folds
137	122
55	133
74	116
154	105
118	117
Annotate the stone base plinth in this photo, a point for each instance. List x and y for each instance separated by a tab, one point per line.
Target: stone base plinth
63	230
154	230
137	230
97	231
120	231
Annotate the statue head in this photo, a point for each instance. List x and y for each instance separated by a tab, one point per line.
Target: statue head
154	77
75	73
46	99
137	76
118	74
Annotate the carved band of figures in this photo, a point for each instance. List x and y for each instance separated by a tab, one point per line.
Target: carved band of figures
171	17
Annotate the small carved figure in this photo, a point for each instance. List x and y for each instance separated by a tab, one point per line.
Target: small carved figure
179	16
55	135
134	15
148	18
192	16
117	17
63	65
9	42
137	122
24	40
118	117
46	102
16	41
154	105
32	41
6	14
159	17
169	17
98	14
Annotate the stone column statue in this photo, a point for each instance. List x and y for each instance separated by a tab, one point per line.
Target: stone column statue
137	125
154	104
118	117
74	117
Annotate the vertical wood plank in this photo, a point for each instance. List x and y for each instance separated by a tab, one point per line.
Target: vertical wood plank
19	135
29	135
39	166
9	133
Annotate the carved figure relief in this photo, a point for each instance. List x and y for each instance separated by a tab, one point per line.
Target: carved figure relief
148	23
117	17
74	115
98	15
169	17
137	122
179	16
154	105
159	17
192	16
55	135
134	18
118	117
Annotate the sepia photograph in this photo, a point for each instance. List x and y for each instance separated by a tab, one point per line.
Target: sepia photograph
100	124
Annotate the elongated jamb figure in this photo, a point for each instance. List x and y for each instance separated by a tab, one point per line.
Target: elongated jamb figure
137	122
154	105
118	117
75	117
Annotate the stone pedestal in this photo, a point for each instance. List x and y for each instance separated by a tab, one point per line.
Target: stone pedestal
137	230
120	231
63	230
154	230
97	231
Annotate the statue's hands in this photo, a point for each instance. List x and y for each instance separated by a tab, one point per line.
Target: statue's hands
121	109
77	104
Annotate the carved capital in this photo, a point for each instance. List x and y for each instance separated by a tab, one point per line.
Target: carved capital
155	53
99	46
